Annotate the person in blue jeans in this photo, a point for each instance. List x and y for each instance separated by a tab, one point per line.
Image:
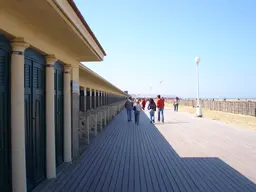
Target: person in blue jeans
137	109
160	106
152	109
128	106
176	104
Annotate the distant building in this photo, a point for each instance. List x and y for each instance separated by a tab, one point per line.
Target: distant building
126	92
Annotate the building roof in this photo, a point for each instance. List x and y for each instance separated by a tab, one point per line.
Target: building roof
83	67
79	14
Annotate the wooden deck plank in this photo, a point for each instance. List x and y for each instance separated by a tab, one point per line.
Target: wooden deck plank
168	174
88	173
201	137
105	176
151	177
132	171
146	149
203	183
183	180
159	174
112	170
140	178
213	183
94	148
221	171
114	149
97	173
116	182
237	178
119	166
124	171
130	158
144	172
219	176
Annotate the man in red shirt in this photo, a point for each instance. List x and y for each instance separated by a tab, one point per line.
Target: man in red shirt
143	103
160	106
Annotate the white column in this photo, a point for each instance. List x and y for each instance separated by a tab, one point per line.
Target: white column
101	98
67	115
90	95
105	98
95	98
50	118
85	99
17	116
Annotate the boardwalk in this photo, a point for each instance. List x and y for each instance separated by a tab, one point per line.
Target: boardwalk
126	157
200	137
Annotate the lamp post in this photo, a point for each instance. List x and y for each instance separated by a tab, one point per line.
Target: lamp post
198	107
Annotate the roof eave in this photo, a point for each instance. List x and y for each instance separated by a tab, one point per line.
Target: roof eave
80	16
81	66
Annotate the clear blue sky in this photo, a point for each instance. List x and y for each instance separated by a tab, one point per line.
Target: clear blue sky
147	41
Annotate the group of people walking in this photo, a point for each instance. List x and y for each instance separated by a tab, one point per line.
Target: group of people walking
133	106
138	106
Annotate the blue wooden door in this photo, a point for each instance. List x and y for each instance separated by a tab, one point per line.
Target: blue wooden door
5	184
34	82
59	111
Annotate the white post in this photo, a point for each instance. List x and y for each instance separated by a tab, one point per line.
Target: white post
18	153
197	71
67	115
198	107
50	119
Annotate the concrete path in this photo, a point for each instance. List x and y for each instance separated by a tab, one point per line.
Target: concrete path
200	137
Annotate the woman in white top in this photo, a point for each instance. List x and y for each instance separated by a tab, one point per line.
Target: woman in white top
137	109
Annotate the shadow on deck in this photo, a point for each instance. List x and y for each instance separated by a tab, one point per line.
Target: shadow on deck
126	157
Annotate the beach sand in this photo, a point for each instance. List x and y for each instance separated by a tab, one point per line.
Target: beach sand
242	121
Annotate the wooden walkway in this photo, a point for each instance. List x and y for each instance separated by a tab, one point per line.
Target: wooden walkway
127	157
201	137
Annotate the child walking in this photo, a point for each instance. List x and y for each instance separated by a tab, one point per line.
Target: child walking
137	108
